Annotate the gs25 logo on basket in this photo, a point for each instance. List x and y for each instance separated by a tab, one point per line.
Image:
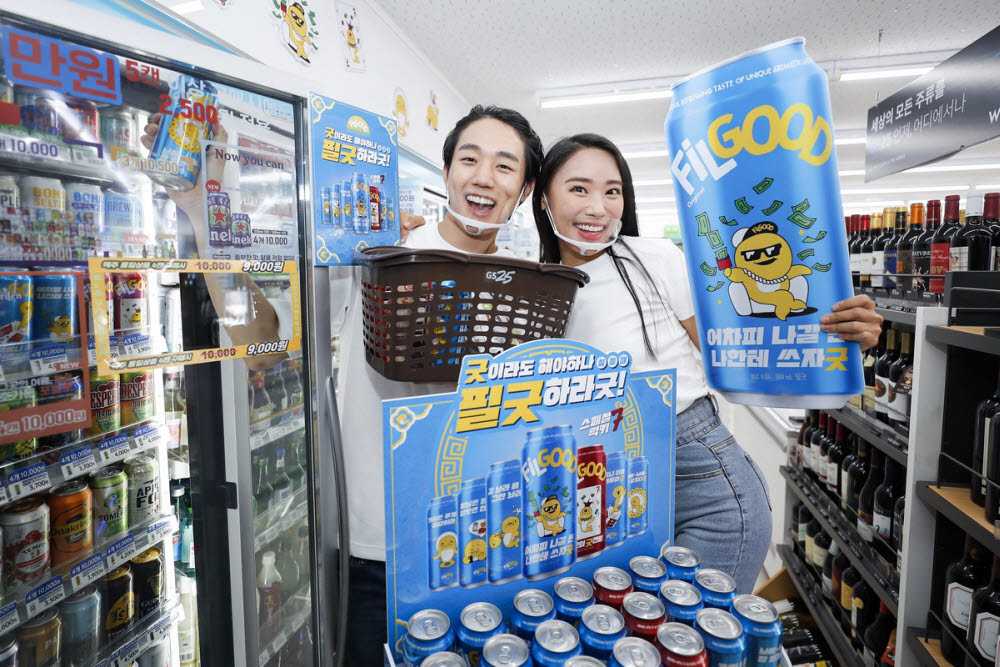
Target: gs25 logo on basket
500	276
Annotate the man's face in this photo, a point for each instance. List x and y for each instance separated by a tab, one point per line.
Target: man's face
487	171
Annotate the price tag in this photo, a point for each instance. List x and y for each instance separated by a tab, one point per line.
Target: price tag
25	146
114	448
45	360
114	342
77	462
121	551
9	616
257	441
28	480
149	436
42	597
87	571
4	495
161	629
159	530
137	345
91	351
127	653
3	379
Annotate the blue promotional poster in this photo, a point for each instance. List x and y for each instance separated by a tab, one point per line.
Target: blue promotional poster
758	196
547	459
355	180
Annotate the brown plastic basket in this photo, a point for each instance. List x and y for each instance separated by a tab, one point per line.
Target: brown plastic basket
423	310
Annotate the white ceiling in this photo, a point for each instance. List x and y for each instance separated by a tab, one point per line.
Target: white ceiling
505	52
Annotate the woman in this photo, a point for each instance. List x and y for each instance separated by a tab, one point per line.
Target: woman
639	300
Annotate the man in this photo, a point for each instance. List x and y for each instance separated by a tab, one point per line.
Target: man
491	159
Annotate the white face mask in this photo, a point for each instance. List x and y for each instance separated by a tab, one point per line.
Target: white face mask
585	248
476	227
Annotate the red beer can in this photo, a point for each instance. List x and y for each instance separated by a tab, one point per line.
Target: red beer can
644	614
130	303
375	208
611	585
83	123
591	474
680	646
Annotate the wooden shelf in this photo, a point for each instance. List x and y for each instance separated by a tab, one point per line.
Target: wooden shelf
928	649
954	503
979	339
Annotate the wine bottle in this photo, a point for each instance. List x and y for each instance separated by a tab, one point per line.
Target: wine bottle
901	385
857	478
824	452
835	453
812	530
866	502
885	501
841	563
961	578
889	657
821	548
941	244
864	611
831	556
985	412
984	621
877	636
847	583
897	531
882	367
871	358
991	218
972	245
796	457
892	246
811	424
851	449
878	253
865	253
854	247
922	247
904	250
818	467
803	519
993	471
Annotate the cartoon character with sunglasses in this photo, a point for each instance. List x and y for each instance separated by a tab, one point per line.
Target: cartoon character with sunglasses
764	281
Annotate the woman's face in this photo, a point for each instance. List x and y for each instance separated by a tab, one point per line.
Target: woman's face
585	199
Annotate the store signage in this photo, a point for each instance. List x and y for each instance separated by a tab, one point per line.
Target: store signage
950	108
551	459
355	180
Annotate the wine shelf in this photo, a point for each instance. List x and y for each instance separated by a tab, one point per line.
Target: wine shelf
828	625
978	339
880	436
954	503
848	540
897	316
928	649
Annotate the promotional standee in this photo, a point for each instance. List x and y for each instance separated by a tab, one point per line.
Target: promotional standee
758	195
551	460
355	180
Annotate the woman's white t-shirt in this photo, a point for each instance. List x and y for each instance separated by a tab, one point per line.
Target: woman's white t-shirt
604	314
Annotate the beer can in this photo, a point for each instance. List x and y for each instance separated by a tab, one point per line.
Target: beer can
71	513
26	550
131	302
611	585
178	141
755	173
505	650
147	572
638	497
60	387
583	661
122	213
119	603
442	542
427	632
680	646
717	588
83	122
220	222
44	199
572	596
532	607
54	314
682	601
15	313
375	208
81	627
157	655
761	628
444	659
555	642
85	204
346	206
503	521
634	652
39	109
241	233
137	400
643	615
600	627
105	404
40	639
109	487
549	494
143	488
361	219
390	212
336	215
8	651
648	574
326	200
591	470
477	623
10	194
472	570
681	562
723	637
118	133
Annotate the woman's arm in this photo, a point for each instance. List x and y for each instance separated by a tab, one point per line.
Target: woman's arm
692	330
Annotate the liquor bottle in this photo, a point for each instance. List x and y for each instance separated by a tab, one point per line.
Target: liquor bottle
865	609
889	657
897	530
280	483
922	247
818	467
882	367
865	253
288	569
941	244
857	478
993	470
877	636
972	245
869	360
961	578
261	406
808	654
293	468
879	278
991	218
885	504
892	247
276	388
866	503
877	256
269	587
984	619
293	381
851	452
835	453
263	493
986	411
904	250
821	548
812	530
805	516
824	453
901	385
811	424
847	583
840	565
853	247
800	637
831	555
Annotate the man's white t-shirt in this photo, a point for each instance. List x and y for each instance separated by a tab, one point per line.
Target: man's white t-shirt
360	392
604	314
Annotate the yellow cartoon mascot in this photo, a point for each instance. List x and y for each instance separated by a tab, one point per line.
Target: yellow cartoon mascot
298	31
615	510
432	113
352	41
475	551
551	520
447	549
764	279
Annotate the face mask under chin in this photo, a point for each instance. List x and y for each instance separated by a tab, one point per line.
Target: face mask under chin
476	227
585	248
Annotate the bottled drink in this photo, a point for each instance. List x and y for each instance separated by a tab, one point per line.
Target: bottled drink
841	563
875	279
904	249
866	503
941	244
812	530
809	427
821	548
824	452
818	464
853	247
187	543
187	630
863	613
261	406
865	253
280	484
991	218
986	411
276	388
263	493
878	247
869	360
993	469
901	385
857	478
850	446
296	473
288	569
269	589
835	453
850	579
922	247
831	556
808	654
961	578
892	249
803	528
981	640
302	558
882	367
889	657
897	530
293	381
972	245
885	504
877	636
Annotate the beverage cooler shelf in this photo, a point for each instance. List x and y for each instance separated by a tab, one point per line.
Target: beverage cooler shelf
978	339
954	503
879	435
848	540
50	156
928	649
282	524
148	632
291	617
36	474
292	421
839	644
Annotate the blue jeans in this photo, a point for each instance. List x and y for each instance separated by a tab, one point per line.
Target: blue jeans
723	509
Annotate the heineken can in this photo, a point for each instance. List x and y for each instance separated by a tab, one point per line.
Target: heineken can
241	232
109	487
143	488
220	221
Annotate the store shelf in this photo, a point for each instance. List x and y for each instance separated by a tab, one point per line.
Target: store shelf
928	649
898	316
828	625
293	421
884	438
292	615
151	630
299	512
954	503
978	339
77	162
833	522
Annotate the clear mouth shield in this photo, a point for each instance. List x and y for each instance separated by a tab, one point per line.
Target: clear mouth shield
476	227
585	248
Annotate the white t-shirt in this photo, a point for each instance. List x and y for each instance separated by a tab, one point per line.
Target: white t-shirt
360	392
604	314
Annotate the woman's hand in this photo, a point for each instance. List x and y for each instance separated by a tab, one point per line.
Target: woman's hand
854	319
409	221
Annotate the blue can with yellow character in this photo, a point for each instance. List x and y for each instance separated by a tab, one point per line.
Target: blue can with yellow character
472	569
54	308
503	521
548	467
186	121
442	543
638	495
758	196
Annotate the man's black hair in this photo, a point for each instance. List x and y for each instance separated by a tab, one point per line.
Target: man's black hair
532	144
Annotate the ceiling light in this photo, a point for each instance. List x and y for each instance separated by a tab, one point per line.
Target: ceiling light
658	152
893	191
188	7
847	141
651	181
954	167
868	74
603	98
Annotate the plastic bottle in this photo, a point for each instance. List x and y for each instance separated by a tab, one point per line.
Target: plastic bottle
269	586
288	569
187	631
302	558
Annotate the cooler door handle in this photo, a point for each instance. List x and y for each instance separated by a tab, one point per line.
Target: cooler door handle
229	496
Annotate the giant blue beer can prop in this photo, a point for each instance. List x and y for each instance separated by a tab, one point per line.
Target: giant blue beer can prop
758	196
